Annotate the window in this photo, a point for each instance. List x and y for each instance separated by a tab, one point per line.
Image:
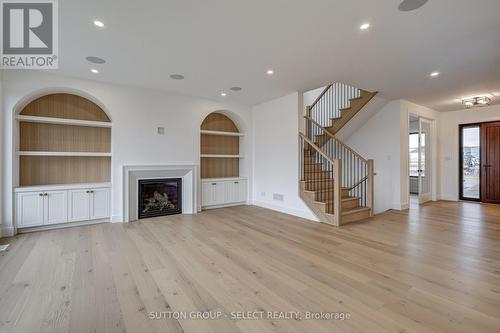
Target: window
470	137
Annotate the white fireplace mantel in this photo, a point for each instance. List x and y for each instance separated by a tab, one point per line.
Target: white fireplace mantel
133	173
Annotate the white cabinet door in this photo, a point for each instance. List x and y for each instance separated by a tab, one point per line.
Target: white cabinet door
220	193
78	205
207	194
99	203
242	191
230	191
56	207
29	210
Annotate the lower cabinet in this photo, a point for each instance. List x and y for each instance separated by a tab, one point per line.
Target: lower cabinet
223	192
38	207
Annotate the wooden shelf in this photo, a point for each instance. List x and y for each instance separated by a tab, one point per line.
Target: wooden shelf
221	156
61	153
63	121
221	133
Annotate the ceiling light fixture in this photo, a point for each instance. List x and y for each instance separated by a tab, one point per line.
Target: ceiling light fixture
270	72
409	5
177	77
99	24
95	71
236	88
471	102
223	94
434	74
364	26
95	60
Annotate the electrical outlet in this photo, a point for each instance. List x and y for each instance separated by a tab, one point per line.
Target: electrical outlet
262	194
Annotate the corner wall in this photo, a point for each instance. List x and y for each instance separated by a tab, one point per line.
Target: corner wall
275	159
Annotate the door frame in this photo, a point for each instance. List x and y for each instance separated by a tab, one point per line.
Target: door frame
461	164
483	177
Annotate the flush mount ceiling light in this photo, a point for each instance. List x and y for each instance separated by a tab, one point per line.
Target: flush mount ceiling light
177	77
95	71
223	94
270	72
409	5
95	60
364	26
235	88
434	74
470	102
99	24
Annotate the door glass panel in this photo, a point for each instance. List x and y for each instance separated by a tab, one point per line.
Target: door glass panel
470	162
424	161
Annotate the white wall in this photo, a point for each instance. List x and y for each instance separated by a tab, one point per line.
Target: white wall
379	139
135	113
275	158
449	145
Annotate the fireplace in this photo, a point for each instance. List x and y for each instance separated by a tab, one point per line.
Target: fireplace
159	197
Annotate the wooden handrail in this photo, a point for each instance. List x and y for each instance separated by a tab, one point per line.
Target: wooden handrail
321	95
312	144
336	139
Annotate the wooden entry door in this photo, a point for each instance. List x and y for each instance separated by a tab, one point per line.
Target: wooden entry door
490	160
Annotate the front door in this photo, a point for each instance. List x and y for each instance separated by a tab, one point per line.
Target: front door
490	160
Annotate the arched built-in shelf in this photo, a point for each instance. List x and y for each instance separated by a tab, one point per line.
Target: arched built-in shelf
220	163
220	147
63	139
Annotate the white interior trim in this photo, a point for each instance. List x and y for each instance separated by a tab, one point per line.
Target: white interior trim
133	173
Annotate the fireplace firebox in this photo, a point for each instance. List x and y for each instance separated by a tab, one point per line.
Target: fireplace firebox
159	197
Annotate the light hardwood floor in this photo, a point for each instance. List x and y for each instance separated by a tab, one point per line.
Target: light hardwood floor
430	269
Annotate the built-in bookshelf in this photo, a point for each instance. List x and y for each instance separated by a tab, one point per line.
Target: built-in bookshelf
220	147
63	139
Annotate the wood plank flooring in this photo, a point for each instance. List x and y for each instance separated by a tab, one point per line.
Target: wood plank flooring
435	268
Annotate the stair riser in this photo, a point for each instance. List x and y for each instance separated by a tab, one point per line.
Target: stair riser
316	175
355	217
350	204
328	195
317	186
312	168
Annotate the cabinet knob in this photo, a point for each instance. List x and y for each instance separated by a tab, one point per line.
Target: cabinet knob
46	194
91	191
41	194
87	191
214	183
236	182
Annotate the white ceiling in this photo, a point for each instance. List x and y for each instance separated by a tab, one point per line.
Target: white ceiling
218	44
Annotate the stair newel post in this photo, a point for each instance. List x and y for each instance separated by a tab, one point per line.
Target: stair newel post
337	192
369	190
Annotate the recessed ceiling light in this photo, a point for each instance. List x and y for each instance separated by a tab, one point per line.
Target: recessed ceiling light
270	72
223	94
409	5
99	24
236	88
364	26
434	74
177	77
95	60
95	71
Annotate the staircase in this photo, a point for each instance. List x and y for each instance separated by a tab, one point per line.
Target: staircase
335	181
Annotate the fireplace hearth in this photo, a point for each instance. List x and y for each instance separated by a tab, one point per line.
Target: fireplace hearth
159	197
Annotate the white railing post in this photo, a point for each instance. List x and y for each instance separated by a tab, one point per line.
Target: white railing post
337	192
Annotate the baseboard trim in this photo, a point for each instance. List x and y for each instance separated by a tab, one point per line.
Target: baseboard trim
7	232
116	219
61	226
286	210
447	197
